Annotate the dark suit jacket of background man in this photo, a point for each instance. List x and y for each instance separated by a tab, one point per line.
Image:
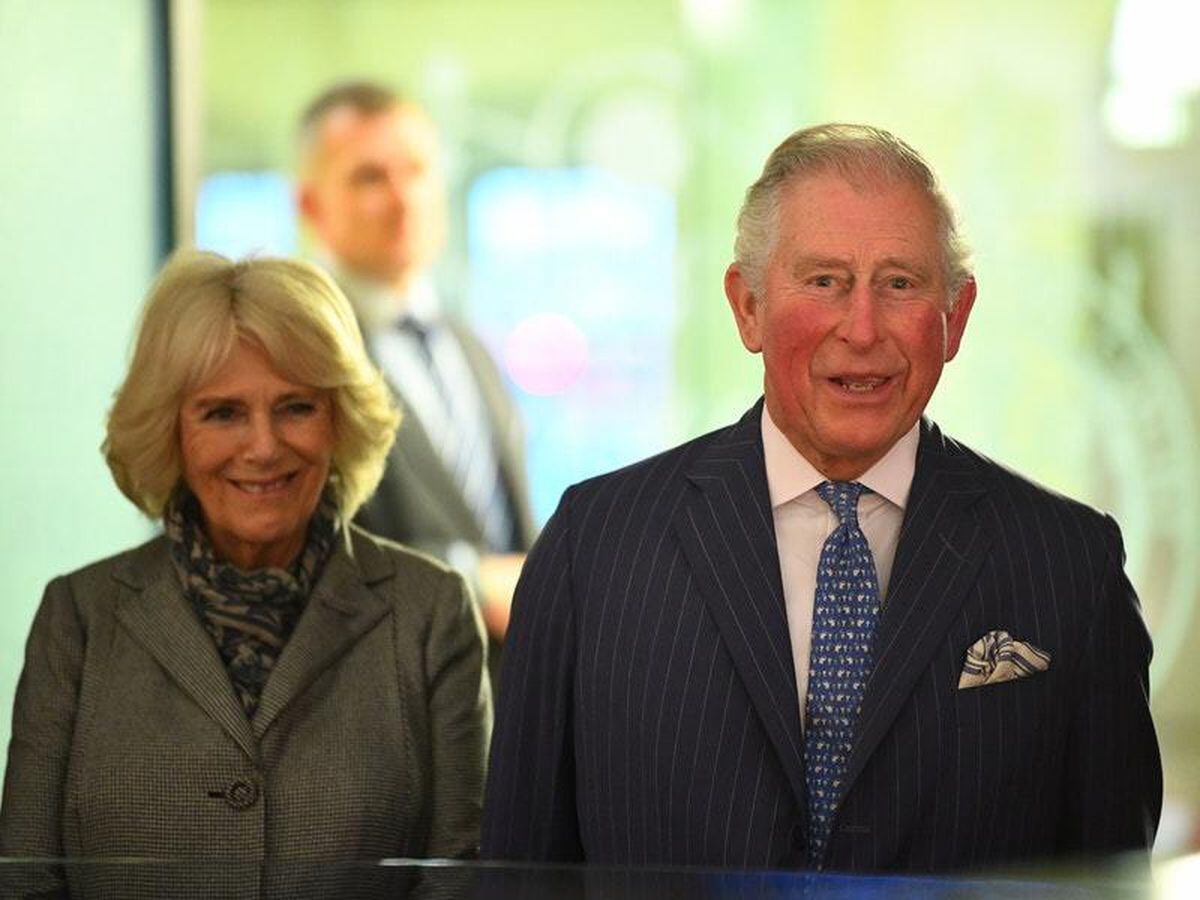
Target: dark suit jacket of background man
418	502
649	711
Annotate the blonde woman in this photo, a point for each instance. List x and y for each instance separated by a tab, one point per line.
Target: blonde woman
264	681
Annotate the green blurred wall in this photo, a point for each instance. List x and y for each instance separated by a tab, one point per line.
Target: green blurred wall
77	232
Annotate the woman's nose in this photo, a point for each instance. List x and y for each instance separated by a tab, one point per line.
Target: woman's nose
262	443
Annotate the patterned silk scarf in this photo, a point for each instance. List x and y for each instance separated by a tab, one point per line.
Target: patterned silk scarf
250	615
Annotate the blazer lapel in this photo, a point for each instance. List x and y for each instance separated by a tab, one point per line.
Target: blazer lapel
341	609
940	551
155	612
728	536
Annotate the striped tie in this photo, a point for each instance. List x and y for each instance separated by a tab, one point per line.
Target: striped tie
465	445
845	608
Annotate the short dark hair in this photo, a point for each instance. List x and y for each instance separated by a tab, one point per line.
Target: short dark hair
363	96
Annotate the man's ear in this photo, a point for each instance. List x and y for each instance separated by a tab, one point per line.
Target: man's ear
956	319
746	307
307	203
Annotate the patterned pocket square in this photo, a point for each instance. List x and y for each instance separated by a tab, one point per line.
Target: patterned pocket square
996	657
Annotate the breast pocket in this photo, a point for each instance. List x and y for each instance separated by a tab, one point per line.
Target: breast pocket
1008	706
1003	729
1002	716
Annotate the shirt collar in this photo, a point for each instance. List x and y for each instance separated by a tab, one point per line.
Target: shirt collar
790	474
377	305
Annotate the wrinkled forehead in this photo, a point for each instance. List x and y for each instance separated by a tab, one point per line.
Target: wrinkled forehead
859	180
828	201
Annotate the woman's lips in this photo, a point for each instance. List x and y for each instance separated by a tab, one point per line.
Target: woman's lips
260	486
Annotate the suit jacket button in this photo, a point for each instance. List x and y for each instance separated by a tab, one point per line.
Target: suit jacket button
242	794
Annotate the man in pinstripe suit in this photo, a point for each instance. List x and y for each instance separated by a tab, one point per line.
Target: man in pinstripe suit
656	695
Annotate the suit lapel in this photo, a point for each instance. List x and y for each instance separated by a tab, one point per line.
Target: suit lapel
728	536
341	609
155	612
941	548
414	452
503	426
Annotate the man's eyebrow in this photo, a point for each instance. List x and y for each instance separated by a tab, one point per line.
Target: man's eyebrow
908	265
819	262
366	167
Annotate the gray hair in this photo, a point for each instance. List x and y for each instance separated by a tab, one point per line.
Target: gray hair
855	152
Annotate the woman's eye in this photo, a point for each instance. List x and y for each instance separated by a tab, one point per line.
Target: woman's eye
300	408
219	414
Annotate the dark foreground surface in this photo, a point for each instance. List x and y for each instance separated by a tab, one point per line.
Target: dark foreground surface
490	881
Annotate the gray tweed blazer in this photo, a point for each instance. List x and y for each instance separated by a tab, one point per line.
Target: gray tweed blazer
369	740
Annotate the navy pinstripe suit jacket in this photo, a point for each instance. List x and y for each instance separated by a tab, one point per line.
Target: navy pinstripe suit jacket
648	710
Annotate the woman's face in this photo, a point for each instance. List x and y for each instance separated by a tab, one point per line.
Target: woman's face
256	453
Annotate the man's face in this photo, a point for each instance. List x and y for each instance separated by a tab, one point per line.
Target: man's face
374	192
853	318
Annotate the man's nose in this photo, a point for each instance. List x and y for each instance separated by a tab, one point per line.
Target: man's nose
398	188
860	324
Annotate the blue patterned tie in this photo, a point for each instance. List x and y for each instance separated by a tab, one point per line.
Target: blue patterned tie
845	608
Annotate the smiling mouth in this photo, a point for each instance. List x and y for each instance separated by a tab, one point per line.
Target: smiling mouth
860	384
263	487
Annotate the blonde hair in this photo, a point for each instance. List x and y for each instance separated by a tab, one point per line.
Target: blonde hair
198	309
855	152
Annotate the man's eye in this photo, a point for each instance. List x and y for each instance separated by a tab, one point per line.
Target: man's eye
899	283
369	176
823	281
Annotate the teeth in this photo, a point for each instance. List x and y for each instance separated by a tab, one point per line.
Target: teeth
862	386
261	487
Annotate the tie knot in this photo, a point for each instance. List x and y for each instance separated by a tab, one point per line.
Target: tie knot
411	325
842	497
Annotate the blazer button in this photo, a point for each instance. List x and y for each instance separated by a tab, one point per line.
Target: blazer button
242	794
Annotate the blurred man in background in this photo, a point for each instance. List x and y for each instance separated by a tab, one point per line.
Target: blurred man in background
372	190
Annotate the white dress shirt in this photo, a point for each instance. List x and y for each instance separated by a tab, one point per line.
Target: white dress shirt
803	521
